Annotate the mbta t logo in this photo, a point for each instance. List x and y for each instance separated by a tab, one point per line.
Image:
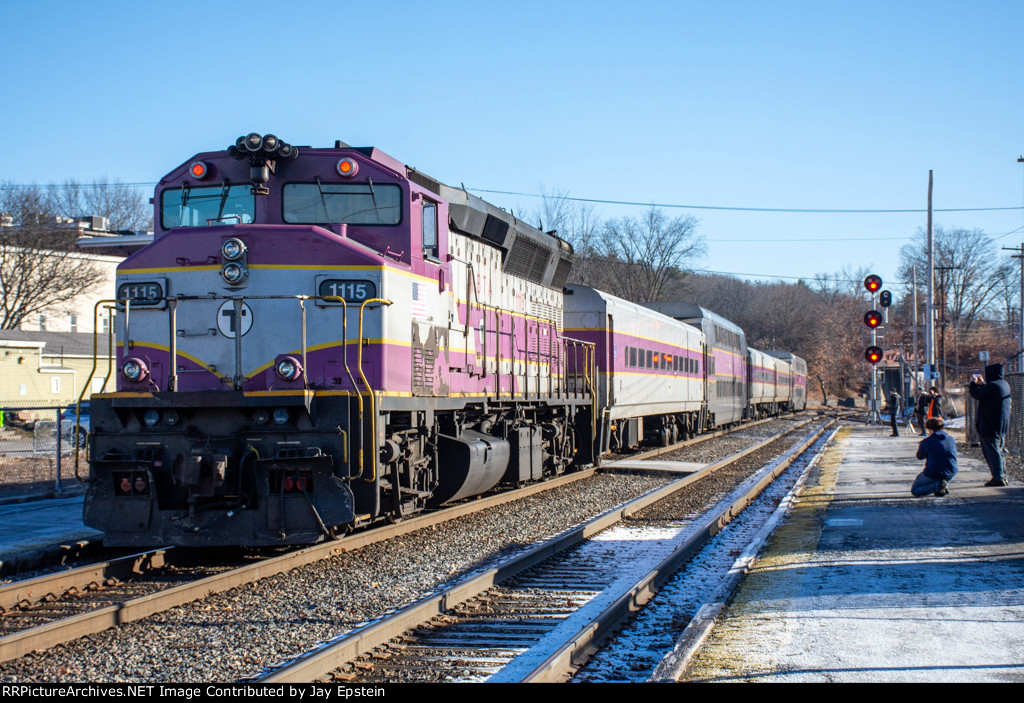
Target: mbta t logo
231	322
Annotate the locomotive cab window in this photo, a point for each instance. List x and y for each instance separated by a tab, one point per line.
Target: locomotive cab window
429	228
342	203
206	206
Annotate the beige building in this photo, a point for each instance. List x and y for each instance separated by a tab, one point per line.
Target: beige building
49	360
104	251
49	368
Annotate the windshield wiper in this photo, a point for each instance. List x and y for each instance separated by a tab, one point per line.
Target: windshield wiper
223	199
373	195
185	189
327	215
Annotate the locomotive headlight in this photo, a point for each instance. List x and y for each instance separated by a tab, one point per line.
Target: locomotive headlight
280	416
134	370
232	249
234	273
151	417
171	417
289	368
261	417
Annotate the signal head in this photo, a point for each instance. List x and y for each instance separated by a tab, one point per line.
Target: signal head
872	318
885	298
873	354
873	283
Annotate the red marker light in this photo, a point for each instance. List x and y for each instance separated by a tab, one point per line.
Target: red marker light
347	168
198	170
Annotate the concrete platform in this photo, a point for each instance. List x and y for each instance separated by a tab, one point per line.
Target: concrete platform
864	583
43	532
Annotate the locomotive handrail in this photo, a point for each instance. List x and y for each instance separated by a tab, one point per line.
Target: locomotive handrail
373	405
348	371
92	372
172	303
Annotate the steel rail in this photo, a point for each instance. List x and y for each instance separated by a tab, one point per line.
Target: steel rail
577	650
53	585
42	637
18	644
331	655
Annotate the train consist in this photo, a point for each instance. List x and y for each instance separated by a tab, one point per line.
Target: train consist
318	339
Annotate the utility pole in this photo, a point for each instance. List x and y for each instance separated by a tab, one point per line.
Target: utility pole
916	386
1019	255
929	335
942	314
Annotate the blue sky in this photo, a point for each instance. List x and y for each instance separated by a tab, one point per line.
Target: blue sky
803	105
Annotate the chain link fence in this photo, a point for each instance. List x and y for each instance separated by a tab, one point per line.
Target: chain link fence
37	450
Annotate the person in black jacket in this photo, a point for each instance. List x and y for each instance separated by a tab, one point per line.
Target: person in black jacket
939	453
993	421
894	412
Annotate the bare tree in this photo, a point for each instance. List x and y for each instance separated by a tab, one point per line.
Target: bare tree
580	225
969	274
125	208
40	268
644	254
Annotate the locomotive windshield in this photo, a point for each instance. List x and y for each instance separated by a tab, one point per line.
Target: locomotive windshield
348	203
209	205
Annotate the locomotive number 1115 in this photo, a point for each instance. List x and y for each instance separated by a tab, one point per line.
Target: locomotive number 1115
351	291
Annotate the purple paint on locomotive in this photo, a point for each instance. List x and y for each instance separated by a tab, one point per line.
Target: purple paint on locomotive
457	380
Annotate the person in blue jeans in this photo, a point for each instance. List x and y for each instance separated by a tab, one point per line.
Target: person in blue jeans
993	423
938	450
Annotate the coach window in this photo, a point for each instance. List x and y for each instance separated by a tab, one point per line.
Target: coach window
429	229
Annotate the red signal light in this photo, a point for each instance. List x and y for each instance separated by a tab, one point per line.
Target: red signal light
873	283
873	354
872	318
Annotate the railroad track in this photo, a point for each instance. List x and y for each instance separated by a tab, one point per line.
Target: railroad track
39	613
538	616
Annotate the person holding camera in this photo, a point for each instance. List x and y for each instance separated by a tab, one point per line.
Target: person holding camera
938	450
993	420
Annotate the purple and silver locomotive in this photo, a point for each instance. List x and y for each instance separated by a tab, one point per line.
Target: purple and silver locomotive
319	339
322	338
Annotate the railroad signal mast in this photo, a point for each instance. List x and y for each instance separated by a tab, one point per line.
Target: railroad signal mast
873	354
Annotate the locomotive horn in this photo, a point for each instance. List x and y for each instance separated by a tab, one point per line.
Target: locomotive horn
271	143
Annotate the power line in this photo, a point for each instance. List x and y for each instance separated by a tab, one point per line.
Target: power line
54	186
769	275
28	186
744	209
815	239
